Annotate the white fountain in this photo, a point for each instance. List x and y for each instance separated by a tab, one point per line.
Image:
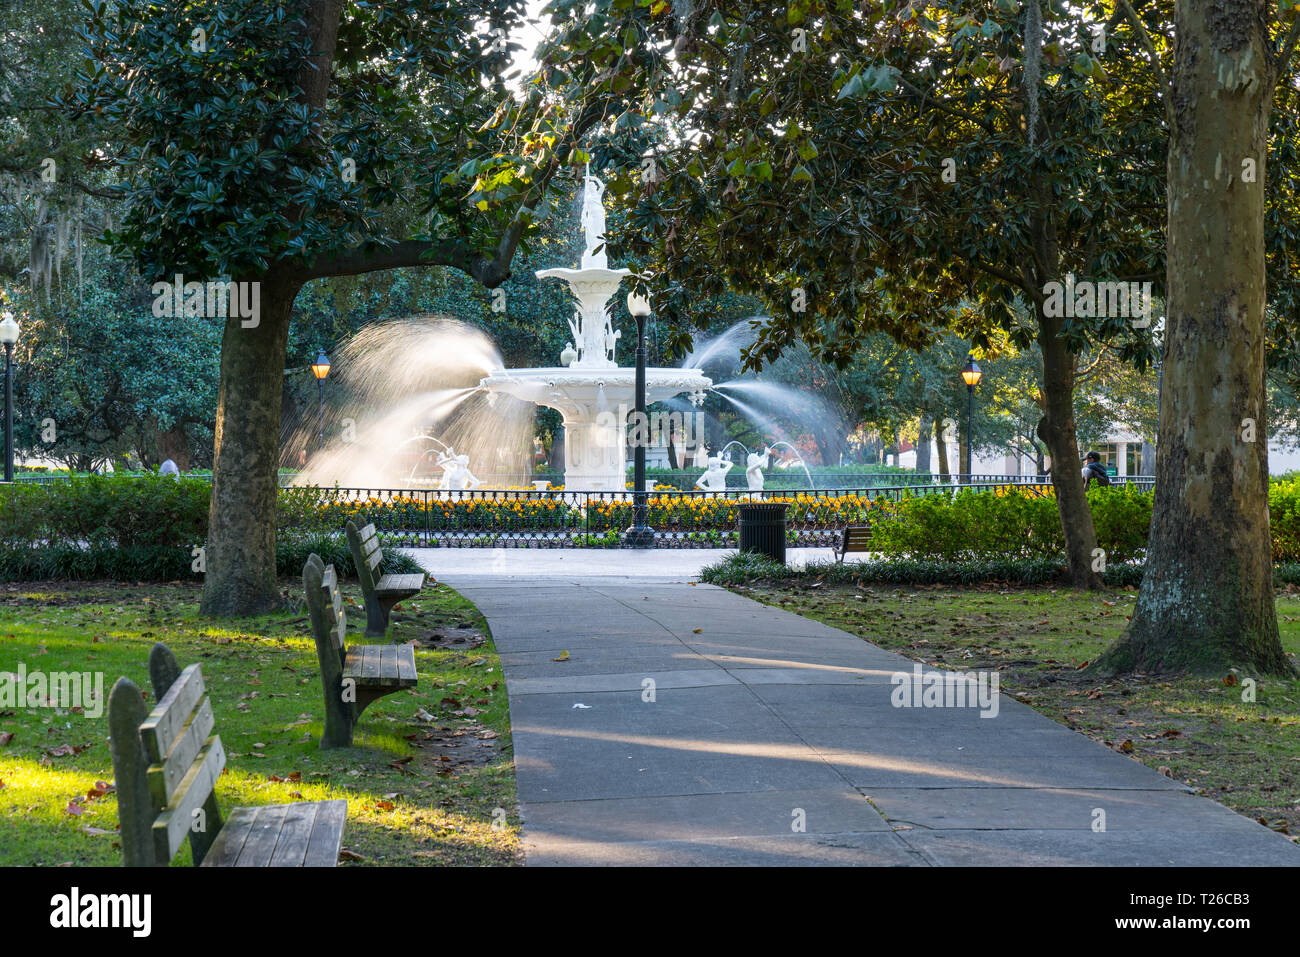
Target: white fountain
592	392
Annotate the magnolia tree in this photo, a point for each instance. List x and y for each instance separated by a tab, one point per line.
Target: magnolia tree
869	168
263	144
861	167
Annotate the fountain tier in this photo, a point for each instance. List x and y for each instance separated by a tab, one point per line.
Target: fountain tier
593	394
595	406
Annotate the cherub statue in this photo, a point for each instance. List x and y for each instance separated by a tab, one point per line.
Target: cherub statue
714	478
754	465
455	471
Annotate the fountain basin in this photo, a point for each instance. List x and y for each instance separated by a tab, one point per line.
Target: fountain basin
595	405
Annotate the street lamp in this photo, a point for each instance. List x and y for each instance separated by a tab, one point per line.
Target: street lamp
971	375
320	369
640	535
9	335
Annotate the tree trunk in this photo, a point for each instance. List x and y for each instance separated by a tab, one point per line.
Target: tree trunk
1207	599
1148	459
923	444
239	578
941	448
1057	430
173	444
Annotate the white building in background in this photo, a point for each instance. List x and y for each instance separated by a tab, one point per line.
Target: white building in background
1123	453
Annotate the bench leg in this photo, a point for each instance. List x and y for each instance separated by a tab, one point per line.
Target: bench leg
340	715
377	610
377	614
365	697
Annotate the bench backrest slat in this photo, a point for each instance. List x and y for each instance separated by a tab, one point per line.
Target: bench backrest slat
366	555
174	823
170	716
370	545
335	618
166	776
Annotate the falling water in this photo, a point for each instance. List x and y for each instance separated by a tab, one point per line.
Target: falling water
726	346
401	389
764	404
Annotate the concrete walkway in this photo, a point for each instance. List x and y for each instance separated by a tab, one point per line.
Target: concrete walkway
574	563
692	726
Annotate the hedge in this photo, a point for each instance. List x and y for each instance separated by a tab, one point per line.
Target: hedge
746	569
983	526
143	528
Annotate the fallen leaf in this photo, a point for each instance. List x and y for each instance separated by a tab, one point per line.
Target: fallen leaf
5	737
346	855
384	805
75	809
564	656
94	831
1126	746
1229	680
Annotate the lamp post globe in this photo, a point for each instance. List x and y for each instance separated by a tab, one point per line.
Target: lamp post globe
320	369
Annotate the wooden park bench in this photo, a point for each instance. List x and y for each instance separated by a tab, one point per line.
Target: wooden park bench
381	594
352	677
854	538
166	763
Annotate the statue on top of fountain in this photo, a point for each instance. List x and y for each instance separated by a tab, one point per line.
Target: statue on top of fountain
593	285
593	222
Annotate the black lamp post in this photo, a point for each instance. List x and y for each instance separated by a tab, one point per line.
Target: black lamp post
320	369
9	335
971	375
640	535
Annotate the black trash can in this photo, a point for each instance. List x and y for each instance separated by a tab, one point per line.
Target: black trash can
762	529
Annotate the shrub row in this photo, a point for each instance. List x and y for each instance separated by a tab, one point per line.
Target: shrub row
169	563
986	526
143	528
743	569
748	569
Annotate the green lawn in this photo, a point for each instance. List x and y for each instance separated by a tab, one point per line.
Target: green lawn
430	772
1200	731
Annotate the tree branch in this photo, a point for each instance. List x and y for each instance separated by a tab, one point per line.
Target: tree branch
999	273
490	271
942	105
1288	47
1145	39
